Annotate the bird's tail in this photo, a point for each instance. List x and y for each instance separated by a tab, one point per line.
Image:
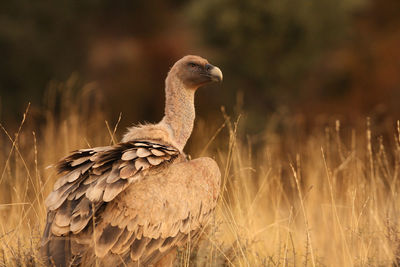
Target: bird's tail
57	250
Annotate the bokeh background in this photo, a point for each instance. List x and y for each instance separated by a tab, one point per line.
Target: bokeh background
315	58
304	126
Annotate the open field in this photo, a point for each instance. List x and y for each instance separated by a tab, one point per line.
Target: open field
325	196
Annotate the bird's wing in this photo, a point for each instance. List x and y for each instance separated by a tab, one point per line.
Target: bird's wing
160	213
92	177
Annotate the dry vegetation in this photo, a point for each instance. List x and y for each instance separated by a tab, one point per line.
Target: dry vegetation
328	197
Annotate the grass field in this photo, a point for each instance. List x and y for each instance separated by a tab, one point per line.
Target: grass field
291	196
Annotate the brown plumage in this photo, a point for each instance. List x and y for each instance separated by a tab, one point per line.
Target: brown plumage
135	202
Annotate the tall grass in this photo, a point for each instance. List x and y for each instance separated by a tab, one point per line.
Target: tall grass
290	196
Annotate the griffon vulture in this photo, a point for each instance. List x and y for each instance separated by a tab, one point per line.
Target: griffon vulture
136	202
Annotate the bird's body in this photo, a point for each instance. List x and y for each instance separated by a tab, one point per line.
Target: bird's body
135	202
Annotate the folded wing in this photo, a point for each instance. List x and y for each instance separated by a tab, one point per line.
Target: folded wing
162	212
90	178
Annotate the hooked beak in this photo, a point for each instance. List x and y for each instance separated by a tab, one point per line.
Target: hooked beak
214	72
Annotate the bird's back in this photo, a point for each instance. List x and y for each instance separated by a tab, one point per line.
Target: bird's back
162	207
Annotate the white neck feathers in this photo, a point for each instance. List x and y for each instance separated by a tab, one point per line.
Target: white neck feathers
179	110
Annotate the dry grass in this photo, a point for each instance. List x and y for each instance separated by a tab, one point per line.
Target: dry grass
323	198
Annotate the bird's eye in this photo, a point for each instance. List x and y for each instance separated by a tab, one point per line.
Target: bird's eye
192	65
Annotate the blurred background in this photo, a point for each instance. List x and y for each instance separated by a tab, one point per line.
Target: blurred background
288	126
317	58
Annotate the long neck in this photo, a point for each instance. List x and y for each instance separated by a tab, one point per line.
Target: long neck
179	110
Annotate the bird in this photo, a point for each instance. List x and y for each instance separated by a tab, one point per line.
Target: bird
136	202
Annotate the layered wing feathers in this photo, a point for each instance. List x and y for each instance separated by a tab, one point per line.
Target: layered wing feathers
161	212
142	222
91	177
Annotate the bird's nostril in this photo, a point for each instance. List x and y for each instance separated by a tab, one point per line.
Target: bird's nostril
209	67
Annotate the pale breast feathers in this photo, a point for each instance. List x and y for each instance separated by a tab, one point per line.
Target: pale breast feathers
93	176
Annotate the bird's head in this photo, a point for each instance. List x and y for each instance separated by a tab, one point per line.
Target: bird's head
195	71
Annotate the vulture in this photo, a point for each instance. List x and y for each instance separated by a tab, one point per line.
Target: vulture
134	203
